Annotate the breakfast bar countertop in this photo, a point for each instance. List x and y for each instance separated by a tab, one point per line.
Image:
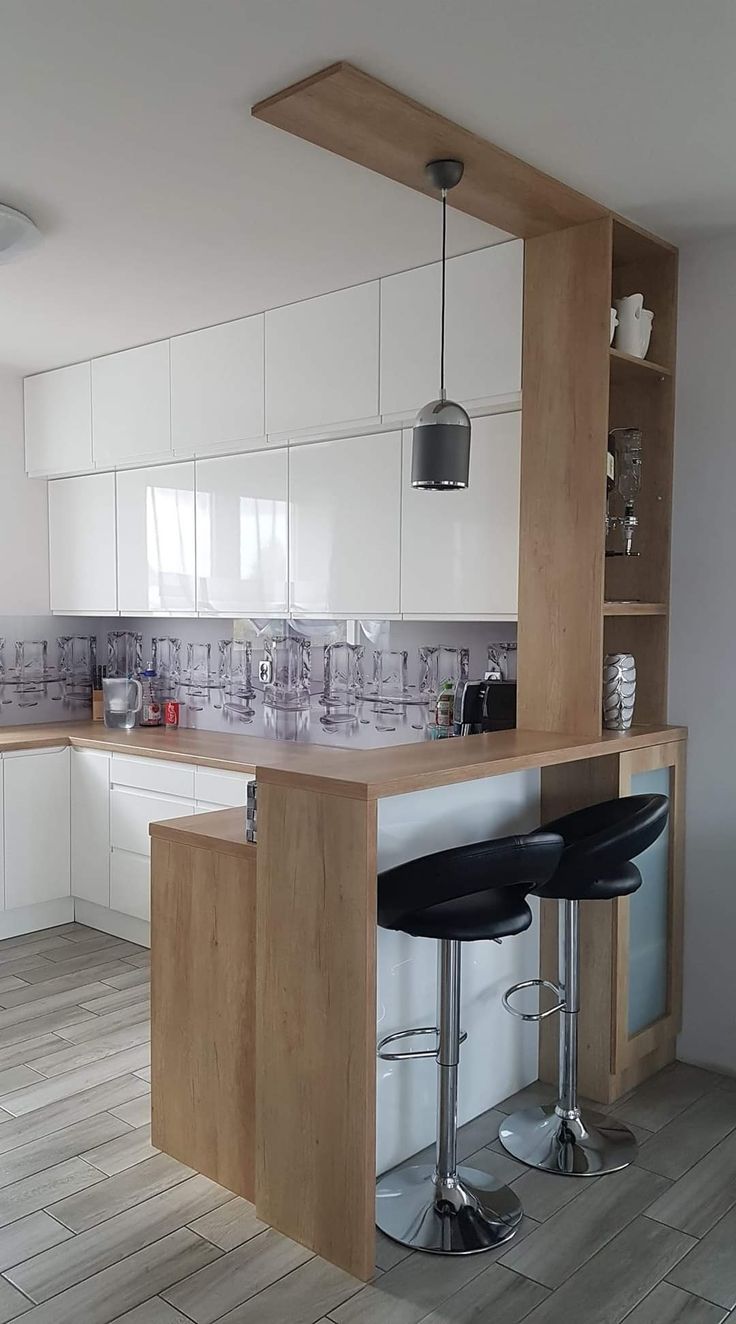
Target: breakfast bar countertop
365	774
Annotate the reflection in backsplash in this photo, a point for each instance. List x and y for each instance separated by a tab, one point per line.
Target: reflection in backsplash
320	680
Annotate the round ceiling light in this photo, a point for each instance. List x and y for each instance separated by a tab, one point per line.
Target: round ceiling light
18	234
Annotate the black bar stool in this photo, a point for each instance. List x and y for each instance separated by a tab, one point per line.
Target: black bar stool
600	843
460	895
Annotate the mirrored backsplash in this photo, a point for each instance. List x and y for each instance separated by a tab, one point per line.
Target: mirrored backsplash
324	681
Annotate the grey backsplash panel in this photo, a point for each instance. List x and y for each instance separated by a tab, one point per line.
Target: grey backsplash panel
48	701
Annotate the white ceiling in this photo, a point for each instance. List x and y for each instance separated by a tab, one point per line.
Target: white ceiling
125	133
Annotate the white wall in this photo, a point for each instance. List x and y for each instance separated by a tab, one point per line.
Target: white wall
24	574
703	641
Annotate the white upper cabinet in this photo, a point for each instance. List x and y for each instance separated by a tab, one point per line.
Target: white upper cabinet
58	421
460	550
131	416
156	539
322	362
483	342
345	532
217	388
242	534
82	544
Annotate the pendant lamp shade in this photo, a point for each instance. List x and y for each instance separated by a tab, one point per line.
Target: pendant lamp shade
440	457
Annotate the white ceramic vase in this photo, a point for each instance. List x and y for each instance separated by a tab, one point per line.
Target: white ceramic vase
634	330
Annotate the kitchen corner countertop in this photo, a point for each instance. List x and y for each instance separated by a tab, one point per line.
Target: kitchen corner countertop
358	774
222	830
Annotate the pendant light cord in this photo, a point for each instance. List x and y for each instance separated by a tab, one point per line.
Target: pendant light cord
444	262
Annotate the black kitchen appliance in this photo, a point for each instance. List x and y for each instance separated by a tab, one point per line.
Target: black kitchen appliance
484	705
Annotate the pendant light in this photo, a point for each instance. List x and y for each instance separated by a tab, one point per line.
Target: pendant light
440	458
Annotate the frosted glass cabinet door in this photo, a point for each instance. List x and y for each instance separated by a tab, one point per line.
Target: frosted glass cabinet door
649	920
217	388
484	307
322	361
156	543
242	534
82	544
345	509
460	550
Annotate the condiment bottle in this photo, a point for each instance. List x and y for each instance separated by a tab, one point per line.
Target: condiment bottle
150	706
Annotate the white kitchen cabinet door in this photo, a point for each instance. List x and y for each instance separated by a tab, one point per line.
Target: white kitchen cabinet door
460	550
82	548
242	534
2	836
132	812
484	312
37	837
217	388
322	362
130	884
156	539
345	530
131	416
58	421
90	798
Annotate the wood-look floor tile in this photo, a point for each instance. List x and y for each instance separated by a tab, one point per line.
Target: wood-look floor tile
530	1096
143	959
497	1294
659	1100
617	1278
709	1269
67	1057
47	988
690	1136
47	1091
236	1277
29	1236
494	1160
125	1152
108	1294
58	1146
12	1303
46	1188
28	1050
10	982
132	978
95	1027
100	1003
14	1078
30	1011
558	1247
86	961
155	1311
301	1297
90	1252
707	1191
115	1194
544	1194
17	1131
230	1224
670	1305
408	1292
43	940
138	1111
49	1021
144	1073
389	1253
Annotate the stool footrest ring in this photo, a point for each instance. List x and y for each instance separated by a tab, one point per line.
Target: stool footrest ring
414	1053
534	1015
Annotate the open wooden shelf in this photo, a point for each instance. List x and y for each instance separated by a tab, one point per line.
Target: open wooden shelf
633	608
626	367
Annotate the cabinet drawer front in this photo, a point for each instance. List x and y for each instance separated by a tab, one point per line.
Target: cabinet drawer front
132	811
153	775
130	884
224	789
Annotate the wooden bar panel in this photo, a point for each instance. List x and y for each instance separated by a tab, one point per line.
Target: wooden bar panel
203	960
316	1022
352	114
567	288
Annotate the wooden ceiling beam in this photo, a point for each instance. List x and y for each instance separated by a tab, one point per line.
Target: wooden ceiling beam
355	116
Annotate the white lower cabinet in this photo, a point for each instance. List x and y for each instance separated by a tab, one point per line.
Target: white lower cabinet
37	830
130	884
90	825
460	550
217	788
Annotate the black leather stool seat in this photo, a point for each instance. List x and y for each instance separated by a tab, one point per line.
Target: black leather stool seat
468	893
600	843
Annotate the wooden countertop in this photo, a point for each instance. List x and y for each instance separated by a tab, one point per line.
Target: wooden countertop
223	830
363	774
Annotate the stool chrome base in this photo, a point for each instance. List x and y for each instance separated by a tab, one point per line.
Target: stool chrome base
584	1145
461	1215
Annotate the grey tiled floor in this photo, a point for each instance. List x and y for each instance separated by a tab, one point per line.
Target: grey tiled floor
96	1226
